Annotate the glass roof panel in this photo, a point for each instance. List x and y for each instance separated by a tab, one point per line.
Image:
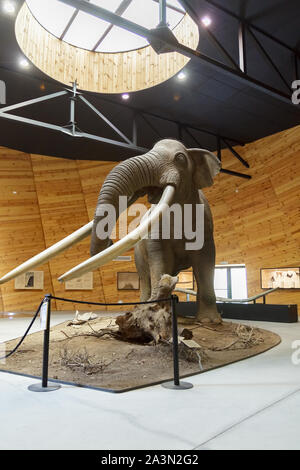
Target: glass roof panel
175	3
144	13
111	5
86	30
119	40
173	17
51	14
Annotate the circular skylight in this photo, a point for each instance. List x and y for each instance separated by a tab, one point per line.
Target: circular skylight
88	32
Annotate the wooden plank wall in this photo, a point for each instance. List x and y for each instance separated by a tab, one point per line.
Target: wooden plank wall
21	231
257	222
63	210
1	302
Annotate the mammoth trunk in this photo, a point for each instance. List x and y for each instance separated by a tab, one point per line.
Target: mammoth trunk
128	179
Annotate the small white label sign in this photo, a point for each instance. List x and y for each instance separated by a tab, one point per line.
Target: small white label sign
43	315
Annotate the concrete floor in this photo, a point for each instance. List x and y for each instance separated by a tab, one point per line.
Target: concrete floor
254	404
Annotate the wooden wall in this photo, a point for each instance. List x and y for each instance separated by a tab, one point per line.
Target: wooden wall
43	199
257	221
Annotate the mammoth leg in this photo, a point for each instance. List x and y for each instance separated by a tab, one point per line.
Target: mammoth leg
142	265
161	261
206	299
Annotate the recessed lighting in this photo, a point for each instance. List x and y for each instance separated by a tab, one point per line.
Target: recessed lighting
23	63
9	7
181	76
125	96
206	21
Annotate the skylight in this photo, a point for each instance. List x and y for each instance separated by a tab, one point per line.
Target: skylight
88	32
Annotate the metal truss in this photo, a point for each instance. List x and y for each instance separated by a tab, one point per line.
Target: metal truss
163	40
247	28
72	130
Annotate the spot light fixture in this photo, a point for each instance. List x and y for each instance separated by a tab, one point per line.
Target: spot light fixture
9	7
23	63
181	76
206	21
125	96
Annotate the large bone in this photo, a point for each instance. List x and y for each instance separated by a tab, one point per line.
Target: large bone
49	253
126	243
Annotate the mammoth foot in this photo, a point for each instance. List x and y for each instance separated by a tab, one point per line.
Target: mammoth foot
209	317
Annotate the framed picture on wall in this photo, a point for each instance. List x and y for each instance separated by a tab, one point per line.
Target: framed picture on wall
32	280
186	280
128	281
85	282
283	278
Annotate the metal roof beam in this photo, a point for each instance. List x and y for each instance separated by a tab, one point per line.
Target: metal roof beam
253	26
171	43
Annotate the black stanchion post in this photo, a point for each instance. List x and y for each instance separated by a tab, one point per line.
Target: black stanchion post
176	384
175	340
43	387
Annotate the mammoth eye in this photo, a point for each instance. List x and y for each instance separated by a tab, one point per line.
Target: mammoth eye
181	159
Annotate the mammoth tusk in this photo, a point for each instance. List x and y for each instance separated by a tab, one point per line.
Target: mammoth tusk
49	253
126	243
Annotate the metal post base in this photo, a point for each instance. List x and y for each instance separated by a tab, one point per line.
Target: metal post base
40	388
181	386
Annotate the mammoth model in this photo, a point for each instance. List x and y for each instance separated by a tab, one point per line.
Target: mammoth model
168	174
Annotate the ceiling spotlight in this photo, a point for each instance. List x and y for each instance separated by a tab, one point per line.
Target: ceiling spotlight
23	63
181	76
9	7
125	96
206	21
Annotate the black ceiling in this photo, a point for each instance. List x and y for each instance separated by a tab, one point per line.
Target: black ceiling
208	99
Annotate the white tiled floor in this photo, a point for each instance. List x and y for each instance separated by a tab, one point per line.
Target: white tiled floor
253	404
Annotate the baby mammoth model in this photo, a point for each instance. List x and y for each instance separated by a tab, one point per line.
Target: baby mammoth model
169	174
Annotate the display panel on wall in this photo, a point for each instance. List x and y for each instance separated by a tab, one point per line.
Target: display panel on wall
128	281
85	282
186	280
32	280
284	278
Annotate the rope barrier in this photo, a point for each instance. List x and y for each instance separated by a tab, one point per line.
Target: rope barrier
44	387
113	304
25	334
77	302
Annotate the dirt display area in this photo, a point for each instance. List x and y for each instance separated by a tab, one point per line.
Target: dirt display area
88	356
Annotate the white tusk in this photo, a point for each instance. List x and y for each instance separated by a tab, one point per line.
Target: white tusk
126	243
49	253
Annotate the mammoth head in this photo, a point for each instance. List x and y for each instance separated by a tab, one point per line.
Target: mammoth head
185	167
168	164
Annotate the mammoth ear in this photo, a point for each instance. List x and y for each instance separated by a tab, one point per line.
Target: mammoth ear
206	165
